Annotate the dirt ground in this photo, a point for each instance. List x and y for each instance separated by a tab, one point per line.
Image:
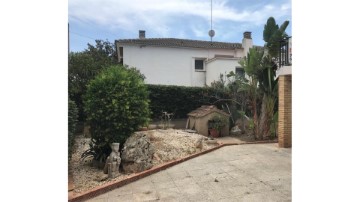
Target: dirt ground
170	144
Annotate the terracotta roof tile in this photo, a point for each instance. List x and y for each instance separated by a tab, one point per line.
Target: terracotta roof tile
173	42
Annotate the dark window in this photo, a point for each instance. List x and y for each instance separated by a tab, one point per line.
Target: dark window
199	64
240	71
121	51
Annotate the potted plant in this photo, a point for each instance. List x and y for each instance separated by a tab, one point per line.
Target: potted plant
215	125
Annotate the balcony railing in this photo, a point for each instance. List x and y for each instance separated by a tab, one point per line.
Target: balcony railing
285	54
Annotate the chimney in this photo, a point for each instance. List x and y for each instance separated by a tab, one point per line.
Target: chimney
141	34
247	42
247	35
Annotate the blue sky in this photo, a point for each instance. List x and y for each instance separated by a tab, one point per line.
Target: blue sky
122	19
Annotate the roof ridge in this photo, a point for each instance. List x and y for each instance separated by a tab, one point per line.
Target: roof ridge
147	39
176	42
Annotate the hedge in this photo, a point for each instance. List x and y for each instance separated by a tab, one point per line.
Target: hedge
72	120
179	100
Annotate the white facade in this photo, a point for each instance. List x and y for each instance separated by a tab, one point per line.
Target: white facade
218	66
176	65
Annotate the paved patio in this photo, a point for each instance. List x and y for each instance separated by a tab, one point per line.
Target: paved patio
253	172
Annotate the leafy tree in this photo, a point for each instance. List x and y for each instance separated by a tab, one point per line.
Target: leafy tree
229	91
116	104
84	66
261	67
252	65
259	91
272	35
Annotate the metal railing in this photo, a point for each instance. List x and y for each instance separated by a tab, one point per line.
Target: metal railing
285	53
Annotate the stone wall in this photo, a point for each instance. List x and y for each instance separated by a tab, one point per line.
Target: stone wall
285	120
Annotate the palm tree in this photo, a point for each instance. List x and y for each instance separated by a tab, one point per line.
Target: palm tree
267	83
252	66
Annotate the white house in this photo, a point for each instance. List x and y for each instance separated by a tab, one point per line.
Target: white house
182	62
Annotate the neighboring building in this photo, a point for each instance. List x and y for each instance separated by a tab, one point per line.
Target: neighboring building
182	62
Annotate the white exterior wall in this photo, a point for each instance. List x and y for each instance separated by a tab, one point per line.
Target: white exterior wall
176	66
220	66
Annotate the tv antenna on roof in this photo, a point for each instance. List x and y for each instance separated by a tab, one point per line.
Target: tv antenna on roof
211	32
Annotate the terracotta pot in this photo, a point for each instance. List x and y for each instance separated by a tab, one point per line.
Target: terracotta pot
214	133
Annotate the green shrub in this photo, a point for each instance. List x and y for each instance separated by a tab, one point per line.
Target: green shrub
217	123
72	120
180	100
116	105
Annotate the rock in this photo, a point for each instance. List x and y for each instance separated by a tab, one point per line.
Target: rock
235	130
199	143
137	153
101	177
243	123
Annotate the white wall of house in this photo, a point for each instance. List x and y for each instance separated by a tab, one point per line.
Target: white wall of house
220	66
176	66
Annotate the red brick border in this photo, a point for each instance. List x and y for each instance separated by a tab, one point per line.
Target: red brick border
73	197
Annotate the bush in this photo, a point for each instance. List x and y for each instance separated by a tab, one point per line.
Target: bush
217	123
179	100
116	105
72	121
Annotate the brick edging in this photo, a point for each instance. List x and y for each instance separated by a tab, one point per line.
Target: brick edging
113	185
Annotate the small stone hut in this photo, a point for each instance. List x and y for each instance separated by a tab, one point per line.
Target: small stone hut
198	119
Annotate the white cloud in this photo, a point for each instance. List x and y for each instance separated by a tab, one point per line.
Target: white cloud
199	31
285	7
163	16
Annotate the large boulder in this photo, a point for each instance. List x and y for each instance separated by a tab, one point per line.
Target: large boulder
243	124
235	130
137	153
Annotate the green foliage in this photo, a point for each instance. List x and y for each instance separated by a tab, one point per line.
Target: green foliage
273	35
72	120
251	124
263	84
252	66
217	123
179	100
235	86
252	62
84	66
260	69
116	104
269	28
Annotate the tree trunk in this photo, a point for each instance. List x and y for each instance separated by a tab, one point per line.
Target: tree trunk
267	111
263	119
255	120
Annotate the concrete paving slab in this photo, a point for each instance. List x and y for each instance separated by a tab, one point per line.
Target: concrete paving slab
125	190
264	197
253	172
126	197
